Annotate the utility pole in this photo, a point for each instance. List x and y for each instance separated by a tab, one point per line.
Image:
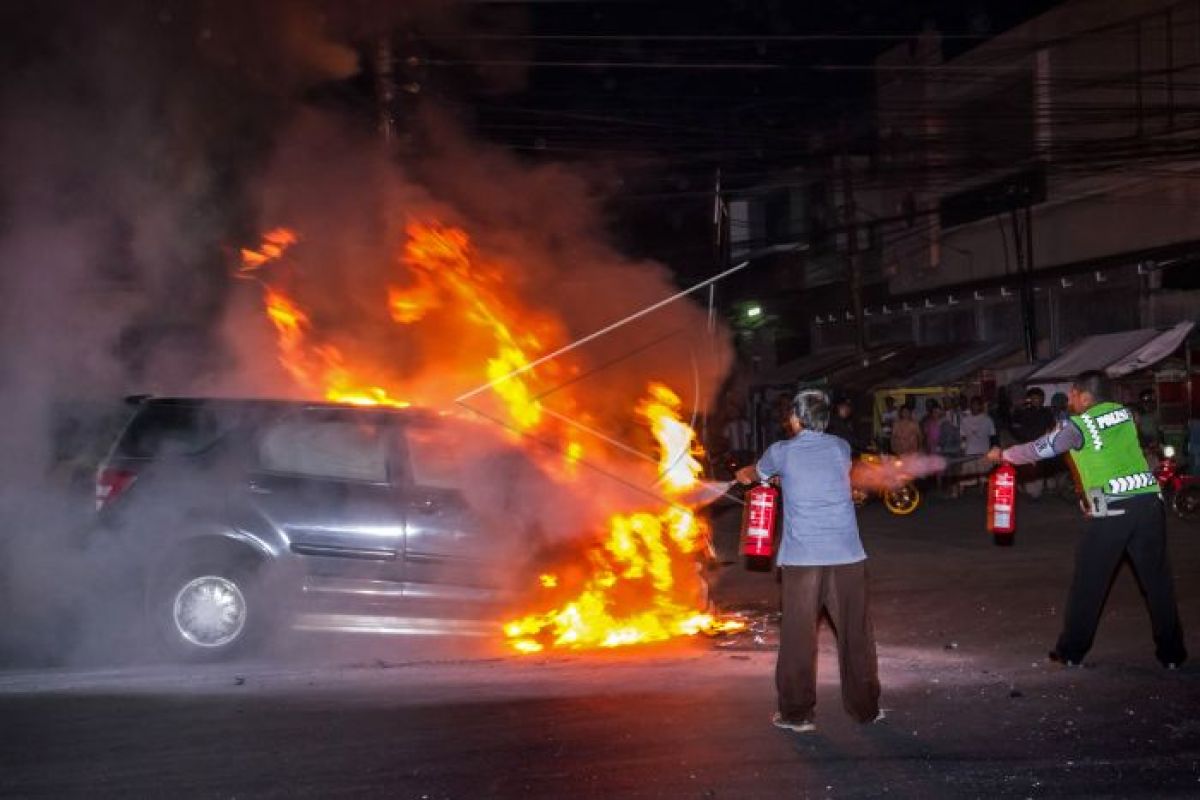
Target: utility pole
852	263
1030	299
385	88
719	261
1024	250
719	255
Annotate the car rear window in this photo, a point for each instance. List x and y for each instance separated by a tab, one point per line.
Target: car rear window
159	430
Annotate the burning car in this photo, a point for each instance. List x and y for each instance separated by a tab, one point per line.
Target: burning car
244	514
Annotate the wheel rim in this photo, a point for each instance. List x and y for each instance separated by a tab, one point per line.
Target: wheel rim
903	500
209	611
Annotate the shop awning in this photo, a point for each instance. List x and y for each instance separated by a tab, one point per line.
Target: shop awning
813	367
886	366
958	367
1152	351
1115	353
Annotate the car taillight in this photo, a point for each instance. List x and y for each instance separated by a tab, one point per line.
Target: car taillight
110	484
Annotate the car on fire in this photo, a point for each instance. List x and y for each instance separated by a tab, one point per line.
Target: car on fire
242	516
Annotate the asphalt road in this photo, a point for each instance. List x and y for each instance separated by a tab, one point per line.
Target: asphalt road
963	627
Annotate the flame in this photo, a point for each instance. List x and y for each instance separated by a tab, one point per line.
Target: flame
644	583
320	366
640	581
679	468
409	305
274	244
444	273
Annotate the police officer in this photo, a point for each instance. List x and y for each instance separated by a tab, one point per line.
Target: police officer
1125	517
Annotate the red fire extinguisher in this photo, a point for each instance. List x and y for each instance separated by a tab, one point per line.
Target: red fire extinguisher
1002	504
758	526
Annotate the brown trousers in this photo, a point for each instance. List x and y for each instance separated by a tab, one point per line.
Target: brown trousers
842	592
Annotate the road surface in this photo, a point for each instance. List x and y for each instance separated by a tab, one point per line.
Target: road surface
963	628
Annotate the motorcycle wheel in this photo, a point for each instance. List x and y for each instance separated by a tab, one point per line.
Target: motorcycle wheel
1186	503
903	500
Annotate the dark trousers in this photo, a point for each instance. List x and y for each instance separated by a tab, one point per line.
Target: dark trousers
842	591
1139	533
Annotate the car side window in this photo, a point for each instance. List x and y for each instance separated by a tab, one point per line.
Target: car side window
169	430
329	447
435	456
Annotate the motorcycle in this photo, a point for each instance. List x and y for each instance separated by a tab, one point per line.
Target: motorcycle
900	497
1180	490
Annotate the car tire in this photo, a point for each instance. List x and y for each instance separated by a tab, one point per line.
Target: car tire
210	610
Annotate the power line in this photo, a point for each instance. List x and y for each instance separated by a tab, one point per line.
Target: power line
742	67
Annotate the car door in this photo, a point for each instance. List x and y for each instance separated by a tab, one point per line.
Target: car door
323	479
453	554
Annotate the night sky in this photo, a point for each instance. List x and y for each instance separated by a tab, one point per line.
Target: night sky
681	89
113	111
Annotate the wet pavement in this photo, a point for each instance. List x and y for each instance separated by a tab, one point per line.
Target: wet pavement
962	626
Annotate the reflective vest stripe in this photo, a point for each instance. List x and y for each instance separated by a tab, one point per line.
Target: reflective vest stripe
1129	483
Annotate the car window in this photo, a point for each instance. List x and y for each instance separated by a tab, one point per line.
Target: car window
435	456
160	430
335	448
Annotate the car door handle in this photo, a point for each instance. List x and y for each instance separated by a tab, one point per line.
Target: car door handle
426	506
258	488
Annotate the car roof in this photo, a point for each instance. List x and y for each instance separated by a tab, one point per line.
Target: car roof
273	404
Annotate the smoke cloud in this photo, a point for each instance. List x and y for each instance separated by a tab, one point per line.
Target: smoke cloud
141	144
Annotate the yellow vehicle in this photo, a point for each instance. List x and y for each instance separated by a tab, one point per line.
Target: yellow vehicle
884	475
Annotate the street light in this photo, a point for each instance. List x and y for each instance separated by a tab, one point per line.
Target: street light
753	312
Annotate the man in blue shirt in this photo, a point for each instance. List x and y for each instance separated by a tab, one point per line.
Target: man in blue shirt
823	565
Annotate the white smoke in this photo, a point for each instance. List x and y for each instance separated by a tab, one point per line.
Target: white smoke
142	144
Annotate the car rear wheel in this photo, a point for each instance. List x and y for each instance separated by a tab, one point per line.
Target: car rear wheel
210	611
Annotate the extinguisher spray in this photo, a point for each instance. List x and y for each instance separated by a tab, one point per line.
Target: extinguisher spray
758	526
1002	504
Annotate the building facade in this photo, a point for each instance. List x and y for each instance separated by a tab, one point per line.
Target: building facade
1040	187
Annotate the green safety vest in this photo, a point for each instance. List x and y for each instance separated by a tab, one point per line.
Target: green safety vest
1111	459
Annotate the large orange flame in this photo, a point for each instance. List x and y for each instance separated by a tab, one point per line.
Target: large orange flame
644	584
641	581
444	272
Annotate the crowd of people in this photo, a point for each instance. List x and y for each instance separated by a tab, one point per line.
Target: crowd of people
959	428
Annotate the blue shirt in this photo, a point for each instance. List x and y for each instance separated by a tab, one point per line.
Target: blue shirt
819	524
